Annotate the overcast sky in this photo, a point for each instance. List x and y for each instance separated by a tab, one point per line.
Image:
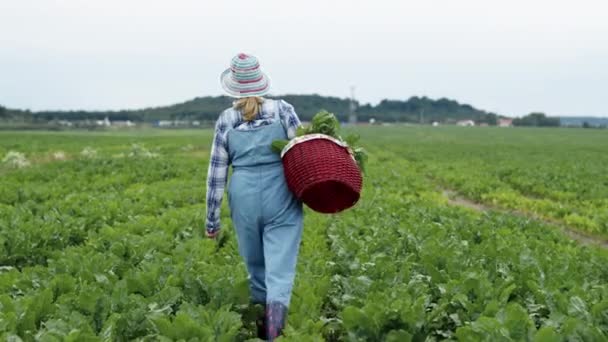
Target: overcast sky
511	57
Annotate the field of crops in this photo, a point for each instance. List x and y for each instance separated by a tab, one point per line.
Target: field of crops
101	240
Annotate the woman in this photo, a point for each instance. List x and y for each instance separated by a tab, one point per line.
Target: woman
266	216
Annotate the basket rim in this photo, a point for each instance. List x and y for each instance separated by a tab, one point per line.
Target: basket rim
308	137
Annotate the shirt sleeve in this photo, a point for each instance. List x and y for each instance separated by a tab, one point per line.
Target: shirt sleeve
291	121
216	176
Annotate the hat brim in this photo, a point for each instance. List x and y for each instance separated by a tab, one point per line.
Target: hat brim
235	89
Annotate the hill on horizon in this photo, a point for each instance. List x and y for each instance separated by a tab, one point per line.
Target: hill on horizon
415	109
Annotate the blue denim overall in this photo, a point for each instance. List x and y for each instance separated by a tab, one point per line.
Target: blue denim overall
266	215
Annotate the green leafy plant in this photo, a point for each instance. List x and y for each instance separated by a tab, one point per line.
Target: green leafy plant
110	248
279	145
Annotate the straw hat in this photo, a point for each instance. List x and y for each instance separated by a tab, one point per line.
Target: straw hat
244	78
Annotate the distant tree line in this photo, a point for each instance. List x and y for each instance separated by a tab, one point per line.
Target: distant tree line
425	110
206	109
584	121
15	115
537	120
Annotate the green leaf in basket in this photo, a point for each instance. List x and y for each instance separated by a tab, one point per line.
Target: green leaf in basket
352	139
301	131
326	123
360	157
279	145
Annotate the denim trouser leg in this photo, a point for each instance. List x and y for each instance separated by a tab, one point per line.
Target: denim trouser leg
281	244
249	238
250	248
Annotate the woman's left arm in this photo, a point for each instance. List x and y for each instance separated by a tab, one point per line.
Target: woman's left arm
217	175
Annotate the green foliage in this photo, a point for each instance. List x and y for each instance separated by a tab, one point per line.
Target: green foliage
537	120
279	145
326	123
111	249
423	110
360	157
553	174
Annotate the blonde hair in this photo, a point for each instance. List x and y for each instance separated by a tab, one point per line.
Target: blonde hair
249	106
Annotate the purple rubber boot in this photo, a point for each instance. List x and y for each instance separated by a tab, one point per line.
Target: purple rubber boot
260	323
276	313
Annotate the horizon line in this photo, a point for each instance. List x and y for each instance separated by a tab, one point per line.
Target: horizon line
296	94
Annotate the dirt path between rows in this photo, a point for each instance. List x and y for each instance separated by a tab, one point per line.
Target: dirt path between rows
457	200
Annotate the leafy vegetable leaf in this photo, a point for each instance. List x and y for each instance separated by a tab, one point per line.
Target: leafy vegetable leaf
279	145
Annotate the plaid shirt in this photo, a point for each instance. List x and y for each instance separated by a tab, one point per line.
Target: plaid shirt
220	159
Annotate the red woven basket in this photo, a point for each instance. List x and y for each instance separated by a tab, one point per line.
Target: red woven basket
322	173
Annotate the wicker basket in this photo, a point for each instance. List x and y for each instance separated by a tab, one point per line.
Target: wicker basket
322	173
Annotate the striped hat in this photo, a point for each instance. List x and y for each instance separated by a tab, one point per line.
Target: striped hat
244	77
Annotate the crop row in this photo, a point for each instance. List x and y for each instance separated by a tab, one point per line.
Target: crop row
110	248
408	267
556	174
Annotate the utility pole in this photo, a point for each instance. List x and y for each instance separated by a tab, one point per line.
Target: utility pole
422	116
352	117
